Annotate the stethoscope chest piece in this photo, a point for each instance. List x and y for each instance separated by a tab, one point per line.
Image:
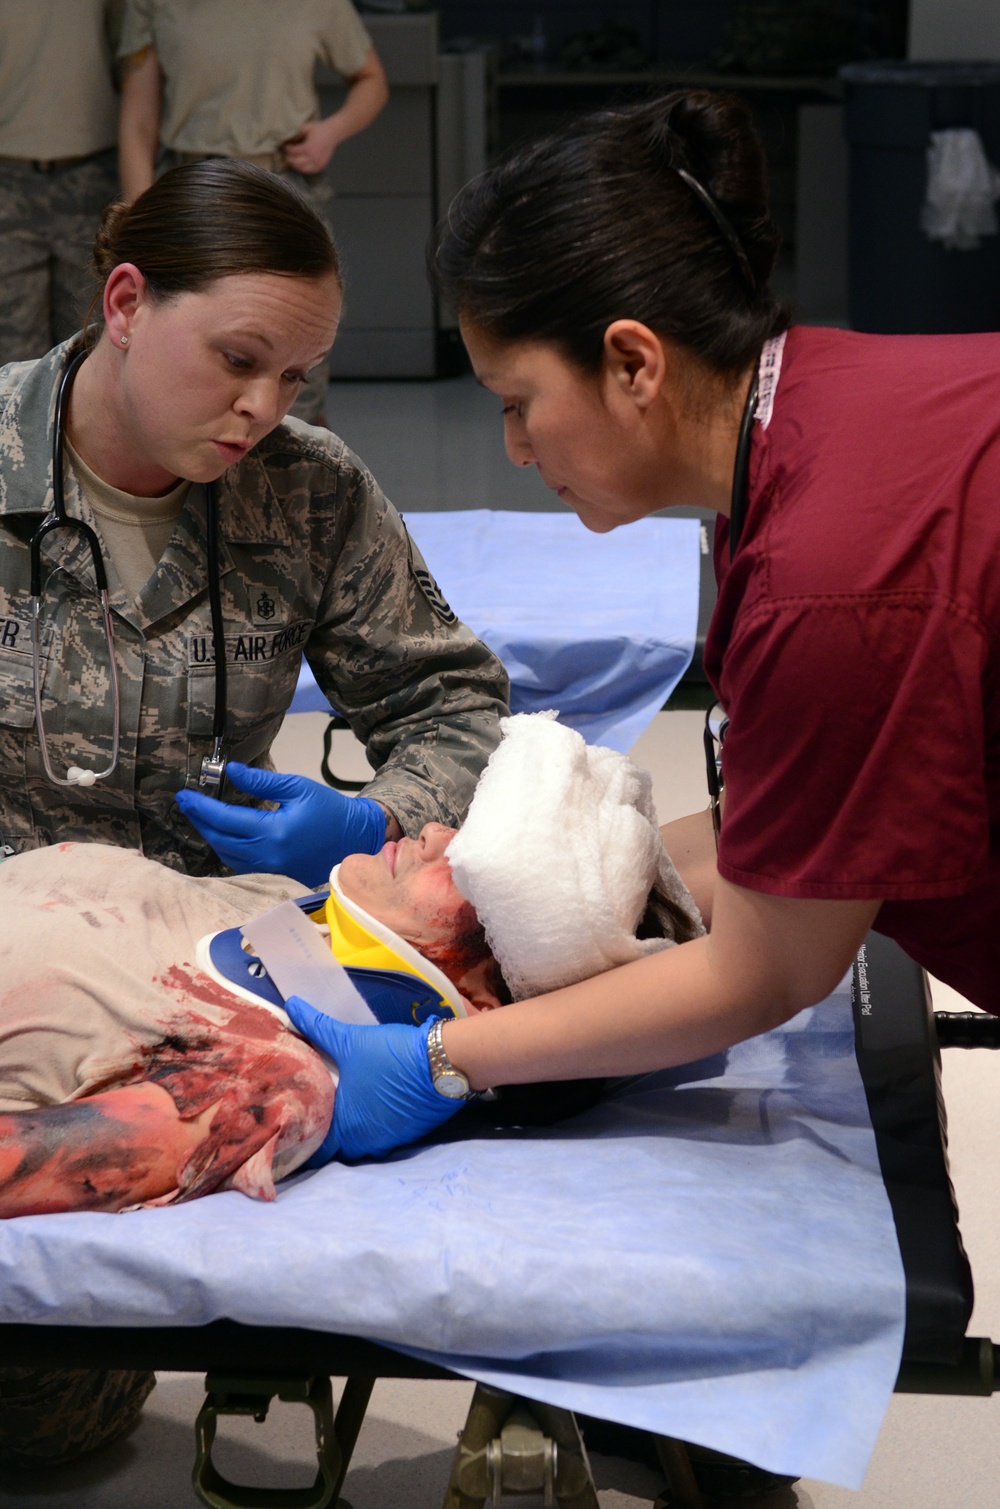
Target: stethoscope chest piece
213	771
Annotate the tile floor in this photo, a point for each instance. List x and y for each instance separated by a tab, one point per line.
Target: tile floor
439	446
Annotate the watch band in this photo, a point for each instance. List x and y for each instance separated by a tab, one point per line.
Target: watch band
446	1079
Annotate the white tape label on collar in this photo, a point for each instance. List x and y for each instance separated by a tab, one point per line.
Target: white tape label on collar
299	960
768	374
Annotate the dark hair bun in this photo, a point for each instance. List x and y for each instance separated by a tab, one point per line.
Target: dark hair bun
713	137
719	139
600	221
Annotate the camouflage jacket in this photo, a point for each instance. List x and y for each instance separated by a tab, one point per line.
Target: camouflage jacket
314	561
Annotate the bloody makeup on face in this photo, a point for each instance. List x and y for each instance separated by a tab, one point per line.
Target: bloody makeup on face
408	885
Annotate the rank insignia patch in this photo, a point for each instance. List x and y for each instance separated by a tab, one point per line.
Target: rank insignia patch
434	595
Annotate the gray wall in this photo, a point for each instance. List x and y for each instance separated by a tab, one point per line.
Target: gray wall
955	30
384	210
671	31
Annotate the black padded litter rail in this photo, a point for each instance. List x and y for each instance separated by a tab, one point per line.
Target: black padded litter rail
224	1345
967	1029
900	1065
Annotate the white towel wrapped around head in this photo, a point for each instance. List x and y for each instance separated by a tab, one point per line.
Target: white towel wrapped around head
558	855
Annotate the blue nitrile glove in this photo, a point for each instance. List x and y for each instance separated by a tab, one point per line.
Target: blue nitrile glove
386	1096
312	830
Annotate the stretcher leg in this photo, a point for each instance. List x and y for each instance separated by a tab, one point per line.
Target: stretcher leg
512	1447
682	1484
348	1422
252	1395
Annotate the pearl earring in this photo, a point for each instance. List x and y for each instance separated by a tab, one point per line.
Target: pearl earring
124	340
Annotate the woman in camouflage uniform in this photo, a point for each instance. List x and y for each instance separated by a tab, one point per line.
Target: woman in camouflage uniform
221	289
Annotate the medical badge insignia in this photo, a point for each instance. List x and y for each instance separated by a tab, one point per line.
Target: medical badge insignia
266	607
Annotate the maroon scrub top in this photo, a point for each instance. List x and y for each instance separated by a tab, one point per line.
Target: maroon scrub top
856	643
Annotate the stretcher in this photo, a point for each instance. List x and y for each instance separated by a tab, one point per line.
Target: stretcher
513	1444
569	613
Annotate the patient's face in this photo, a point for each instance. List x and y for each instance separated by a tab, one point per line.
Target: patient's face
408	886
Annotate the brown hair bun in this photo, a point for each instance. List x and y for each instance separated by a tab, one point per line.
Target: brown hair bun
214	219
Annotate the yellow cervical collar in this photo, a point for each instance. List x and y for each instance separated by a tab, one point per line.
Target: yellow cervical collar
360	941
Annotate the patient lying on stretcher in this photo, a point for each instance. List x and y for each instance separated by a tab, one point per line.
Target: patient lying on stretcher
130	1076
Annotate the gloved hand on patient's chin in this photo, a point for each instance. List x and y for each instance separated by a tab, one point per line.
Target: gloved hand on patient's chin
386	1096
312	830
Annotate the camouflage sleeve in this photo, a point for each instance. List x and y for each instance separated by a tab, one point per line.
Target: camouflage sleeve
419	689
53	1415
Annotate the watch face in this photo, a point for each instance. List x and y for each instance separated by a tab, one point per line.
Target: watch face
453	1086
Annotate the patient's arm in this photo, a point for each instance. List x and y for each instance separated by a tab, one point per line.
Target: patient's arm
206	1107
121	1148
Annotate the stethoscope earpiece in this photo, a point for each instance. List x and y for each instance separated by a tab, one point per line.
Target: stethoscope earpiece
77	776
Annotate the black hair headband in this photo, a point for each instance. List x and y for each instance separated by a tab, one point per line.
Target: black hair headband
736	245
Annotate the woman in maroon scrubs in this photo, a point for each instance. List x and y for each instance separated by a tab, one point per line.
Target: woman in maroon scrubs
613	285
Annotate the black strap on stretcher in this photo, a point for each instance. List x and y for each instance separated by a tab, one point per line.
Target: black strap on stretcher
330	776
897	1050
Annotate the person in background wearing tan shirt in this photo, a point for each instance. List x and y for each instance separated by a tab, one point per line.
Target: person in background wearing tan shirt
58	122
235	78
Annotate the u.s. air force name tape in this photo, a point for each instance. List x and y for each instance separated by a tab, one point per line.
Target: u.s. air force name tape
249	648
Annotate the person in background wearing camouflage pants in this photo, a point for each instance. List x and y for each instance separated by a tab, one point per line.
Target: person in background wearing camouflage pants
235	79
53	1415
58	126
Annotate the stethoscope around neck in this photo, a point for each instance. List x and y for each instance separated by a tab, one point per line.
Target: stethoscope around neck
213	766
716	722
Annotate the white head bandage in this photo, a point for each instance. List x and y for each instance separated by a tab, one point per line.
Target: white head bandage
558	855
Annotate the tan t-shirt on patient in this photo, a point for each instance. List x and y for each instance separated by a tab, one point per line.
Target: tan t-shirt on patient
97	962
57	97
238	74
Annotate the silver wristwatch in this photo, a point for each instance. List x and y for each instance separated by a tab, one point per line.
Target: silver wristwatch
447	1080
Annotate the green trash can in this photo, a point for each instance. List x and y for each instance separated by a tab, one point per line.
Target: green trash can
900	281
